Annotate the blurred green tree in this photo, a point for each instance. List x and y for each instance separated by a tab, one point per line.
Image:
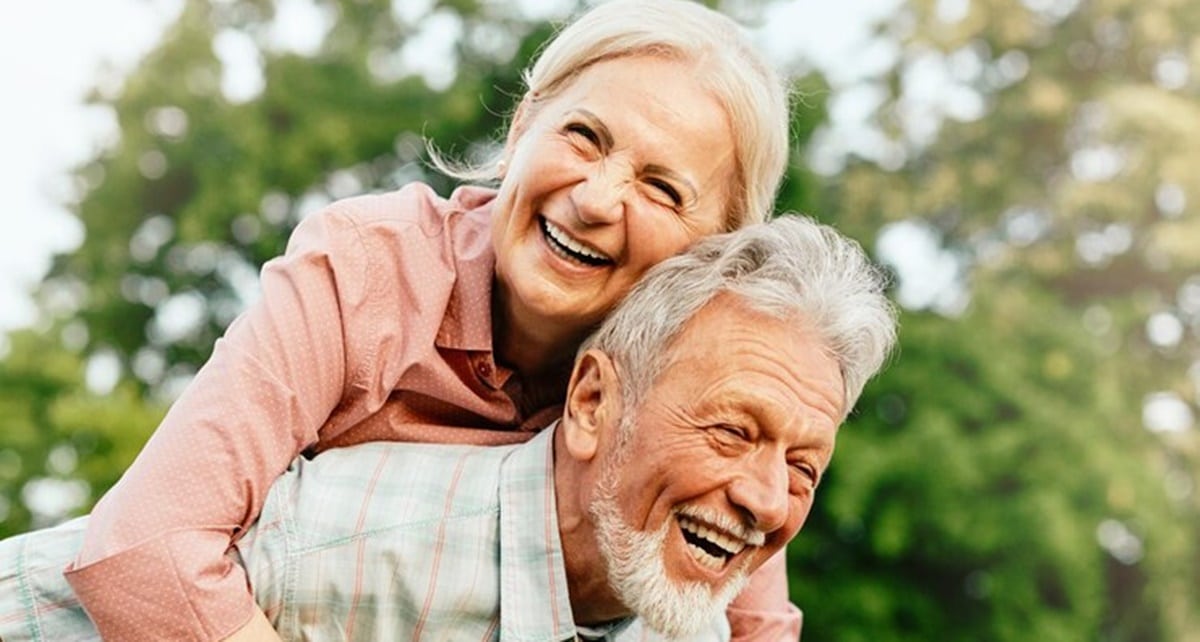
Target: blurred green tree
1027	469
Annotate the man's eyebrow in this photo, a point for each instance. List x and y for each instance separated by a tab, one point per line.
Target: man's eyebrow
606	139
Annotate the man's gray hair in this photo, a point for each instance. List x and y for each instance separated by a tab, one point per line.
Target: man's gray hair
790	267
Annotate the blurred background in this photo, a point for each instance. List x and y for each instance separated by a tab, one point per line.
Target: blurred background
1025	469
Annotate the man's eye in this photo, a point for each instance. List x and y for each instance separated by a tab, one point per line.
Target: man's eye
579	129
806	472
667	190
729	434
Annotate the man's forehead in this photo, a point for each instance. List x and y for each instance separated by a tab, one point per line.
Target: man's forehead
709	330
732	353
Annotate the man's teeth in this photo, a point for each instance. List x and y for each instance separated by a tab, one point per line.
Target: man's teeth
729	545
706	560
559	236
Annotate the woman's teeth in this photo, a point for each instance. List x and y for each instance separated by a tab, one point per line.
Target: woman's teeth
569	248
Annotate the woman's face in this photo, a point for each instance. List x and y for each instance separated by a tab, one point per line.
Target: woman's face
626	166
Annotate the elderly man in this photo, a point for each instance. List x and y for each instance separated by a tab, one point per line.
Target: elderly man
699	421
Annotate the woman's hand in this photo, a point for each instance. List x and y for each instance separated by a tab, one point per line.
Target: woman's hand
258	629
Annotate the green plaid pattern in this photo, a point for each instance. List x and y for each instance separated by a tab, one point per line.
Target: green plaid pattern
379	541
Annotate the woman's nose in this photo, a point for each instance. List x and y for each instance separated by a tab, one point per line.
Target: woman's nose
600	197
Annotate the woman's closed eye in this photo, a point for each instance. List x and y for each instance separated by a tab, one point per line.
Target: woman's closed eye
587	133
667	190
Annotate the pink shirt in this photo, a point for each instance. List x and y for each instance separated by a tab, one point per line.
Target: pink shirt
375	325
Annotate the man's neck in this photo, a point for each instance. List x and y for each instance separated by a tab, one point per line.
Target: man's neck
592	599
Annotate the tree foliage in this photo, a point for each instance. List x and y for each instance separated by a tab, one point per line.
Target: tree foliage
998	482
1027	468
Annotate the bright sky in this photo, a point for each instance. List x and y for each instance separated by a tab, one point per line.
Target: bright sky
53	51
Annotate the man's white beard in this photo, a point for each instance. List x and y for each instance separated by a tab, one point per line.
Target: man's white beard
636	568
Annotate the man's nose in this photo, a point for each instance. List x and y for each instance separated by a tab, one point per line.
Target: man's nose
600	197
761	491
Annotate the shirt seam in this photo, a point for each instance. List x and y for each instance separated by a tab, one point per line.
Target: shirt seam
27	601
361	373
300	551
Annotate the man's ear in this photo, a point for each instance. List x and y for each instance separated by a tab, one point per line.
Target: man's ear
593	405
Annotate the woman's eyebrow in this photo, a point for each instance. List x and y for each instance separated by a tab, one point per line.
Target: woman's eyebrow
606	138
606	142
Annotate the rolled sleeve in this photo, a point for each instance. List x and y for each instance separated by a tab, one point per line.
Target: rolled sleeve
762	612
153	564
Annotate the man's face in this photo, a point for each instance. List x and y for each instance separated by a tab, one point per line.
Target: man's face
720	466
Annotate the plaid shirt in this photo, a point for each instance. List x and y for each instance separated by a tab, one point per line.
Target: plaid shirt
381	541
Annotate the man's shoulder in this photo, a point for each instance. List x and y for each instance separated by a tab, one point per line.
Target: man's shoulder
390	484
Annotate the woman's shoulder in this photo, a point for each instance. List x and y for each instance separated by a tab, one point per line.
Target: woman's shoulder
414	203
412	223
411	203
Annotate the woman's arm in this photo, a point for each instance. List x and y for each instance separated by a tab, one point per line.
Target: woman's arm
258	629
153	563
762	612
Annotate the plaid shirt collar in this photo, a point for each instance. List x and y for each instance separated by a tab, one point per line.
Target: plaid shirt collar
534	601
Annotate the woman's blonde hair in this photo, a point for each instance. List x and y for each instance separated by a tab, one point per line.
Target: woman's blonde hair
726	64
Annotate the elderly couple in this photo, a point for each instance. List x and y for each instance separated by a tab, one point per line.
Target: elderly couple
698	421
583	474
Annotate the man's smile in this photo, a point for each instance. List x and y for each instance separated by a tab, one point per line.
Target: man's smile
713	545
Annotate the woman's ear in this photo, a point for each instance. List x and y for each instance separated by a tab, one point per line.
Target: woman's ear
518	125
593	407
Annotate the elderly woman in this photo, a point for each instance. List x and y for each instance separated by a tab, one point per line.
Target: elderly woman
646	125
